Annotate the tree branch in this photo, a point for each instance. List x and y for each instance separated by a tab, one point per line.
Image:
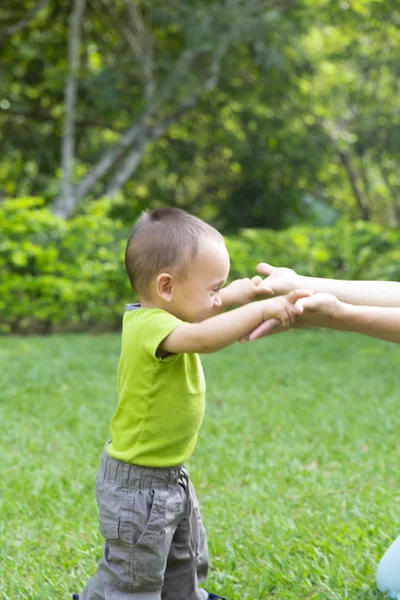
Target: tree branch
394	193
359	195
135	155
127	168
151	124
110	157
66	202
9	31
138	39
127	139
146	45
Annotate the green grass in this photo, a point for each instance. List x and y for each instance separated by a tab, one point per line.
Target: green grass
296	467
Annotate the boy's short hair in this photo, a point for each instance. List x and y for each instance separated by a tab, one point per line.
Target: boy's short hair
161	239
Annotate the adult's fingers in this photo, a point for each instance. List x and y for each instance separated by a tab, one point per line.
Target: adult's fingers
304	302
297	294
269	327
265	268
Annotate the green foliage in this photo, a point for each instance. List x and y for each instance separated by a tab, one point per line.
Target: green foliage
60	275
350	96
69	275
347	250
307	104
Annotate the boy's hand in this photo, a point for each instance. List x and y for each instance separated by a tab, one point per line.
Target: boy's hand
243	291
283	310
280	279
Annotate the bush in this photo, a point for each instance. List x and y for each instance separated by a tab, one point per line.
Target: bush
59	275
69	275
347	250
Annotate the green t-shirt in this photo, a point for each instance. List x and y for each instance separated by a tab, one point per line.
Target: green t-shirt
160	401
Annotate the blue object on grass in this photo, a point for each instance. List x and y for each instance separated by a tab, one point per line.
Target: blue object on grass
388	571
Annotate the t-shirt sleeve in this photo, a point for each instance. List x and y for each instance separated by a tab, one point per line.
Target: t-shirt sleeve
156	326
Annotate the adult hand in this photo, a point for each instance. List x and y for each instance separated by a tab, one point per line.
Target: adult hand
280	279
316	310
266	329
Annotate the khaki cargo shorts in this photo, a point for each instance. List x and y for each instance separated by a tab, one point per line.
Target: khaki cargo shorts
155	543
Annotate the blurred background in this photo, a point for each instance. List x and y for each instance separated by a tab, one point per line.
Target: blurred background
277	121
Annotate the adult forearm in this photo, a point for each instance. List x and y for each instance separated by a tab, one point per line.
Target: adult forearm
367	293
378	322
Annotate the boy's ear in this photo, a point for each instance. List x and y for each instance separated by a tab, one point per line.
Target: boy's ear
165	287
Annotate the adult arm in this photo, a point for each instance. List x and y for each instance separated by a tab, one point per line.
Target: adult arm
368	293
325	310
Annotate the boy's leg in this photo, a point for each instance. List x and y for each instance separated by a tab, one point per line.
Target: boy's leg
94	589
201	542
187	563
139	510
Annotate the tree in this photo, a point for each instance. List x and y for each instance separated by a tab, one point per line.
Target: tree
177	53
352	97
68	138
236	110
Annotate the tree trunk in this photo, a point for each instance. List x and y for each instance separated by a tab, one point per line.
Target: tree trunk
359	194
135	154
394	195
65	203
364	179
137	129
125	155
109	159
126	169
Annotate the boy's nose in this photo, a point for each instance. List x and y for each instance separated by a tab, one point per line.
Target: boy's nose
217	301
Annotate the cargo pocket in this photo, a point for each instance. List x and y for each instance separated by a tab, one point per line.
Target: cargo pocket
149	547
143	513
136	516
109	499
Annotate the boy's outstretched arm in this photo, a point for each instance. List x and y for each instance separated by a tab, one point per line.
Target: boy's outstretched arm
222	330
242	291
370	293
325	310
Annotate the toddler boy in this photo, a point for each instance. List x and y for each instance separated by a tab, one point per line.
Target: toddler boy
155	543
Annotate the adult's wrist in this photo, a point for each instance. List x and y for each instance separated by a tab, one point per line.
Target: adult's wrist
343	317
302	282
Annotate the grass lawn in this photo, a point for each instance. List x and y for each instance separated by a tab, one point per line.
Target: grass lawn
296	467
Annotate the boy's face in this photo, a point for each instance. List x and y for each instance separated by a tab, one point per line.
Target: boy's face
197	293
